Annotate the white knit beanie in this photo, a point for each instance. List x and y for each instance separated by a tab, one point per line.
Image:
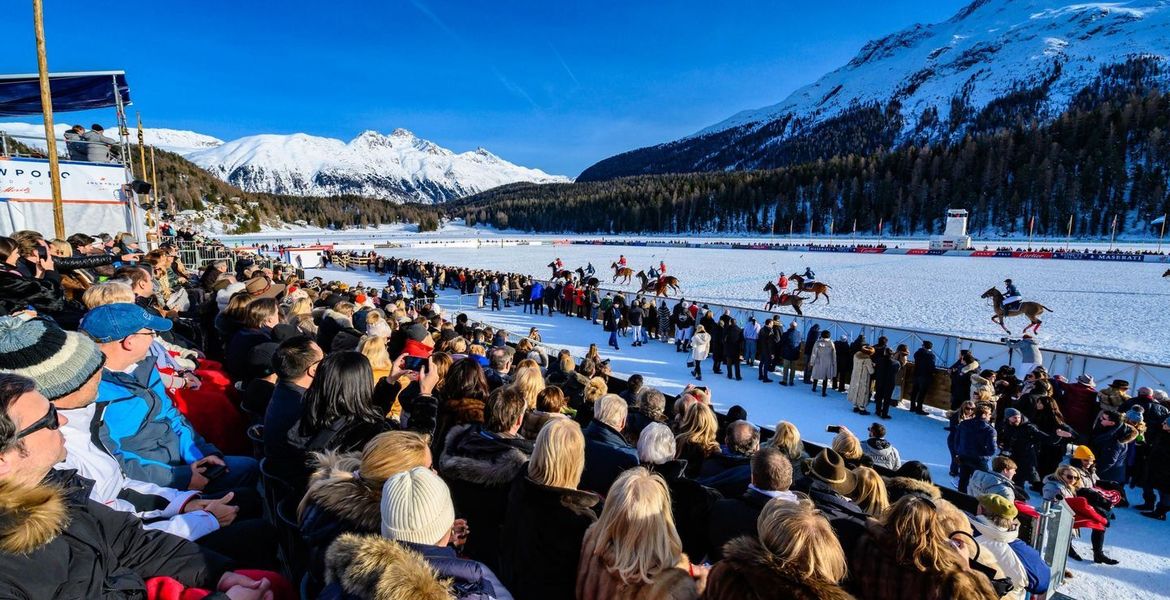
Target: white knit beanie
416	507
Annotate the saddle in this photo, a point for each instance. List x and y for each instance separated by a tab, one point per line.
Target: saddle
1012	302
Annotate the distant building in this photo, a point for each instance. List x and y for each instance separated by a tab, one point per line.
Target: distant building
955	236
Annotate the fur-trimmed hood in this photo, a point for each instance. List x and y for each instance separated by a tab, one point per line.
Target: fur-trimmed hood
748	569
376	568
336	491
897	487
476	456
30	516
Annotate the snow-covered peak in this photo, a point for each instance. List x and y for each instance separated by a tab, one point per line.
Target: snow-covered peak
982	53
399	167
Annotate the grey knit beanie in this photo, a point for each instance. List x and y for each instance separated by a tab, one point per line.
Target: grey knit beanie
59	361
416	507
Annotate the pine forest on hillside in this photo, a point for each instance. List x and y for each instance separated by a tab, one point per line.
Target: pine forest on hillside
1109	155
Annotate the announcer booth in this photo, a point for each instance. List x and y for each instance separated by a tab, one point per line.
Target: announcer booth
96	197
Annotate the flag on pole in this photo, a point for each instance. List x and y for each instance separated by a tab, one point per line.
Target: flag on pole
1070	224
1159	221
854	225
1031	224
881	222
1114	226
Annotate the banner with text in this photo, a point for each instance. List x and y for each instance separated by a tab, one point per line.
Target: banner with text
93	197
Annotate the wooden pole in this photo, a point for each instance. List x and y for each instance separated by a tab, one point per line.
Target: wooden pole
47	110
1163	234
150	224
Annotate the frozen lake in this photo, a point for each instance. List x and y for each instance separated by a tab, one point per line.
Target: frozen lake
1112	309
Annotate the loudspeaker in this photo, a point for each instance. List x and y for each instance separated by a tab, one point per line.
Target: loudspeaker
139	186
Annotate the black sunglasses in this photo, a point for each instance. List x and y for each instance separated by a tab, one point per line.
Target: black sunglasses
49	421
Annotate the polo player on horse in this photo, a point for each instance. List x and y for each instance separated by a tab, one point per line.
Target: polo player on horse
782	285
1011	295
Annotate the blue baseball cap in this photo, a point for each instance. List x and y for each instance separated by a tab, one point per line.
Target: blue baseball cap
116	321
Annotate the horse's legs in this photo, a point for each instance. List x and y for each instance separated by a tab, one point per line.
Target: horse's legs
827	298
998	320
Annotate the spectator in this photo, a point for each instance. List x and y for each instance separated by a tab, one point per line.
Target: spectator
649	407
152	440
417	519
789	351
690	501
1114	396
1111	437
1022	440
844	354
794	556
296	363
464	391
975	444
996	481
886	373
881	451
700	344
733	347
787	439
479	463
771	477
97	145
346	490
730	471
498	373
607	453
822	363
337	412
811	337
828	484
996	529
547	517
870	494
1157	475
633	550
861	379
73	143
908	554
260	316
751	334
60	544
550	405
1065	484
1030	356
696	439
39	288
960	373
848	446
925	364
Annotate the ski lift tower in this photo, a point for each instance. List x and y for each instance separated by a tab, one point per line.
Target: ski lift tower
955	236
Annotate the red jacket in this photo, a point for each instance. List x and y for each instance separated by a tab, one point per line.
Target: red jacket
1078	404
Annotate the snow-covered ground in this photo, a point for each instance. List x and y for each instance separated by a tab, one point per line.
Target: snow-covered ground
1144	570
1111	309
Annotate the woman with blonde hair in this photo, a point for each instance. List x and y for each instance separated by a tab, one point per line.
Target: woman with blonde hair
345	491
870	493
795	556
298	307
908	553
547	516
633	550
787	440
696	439
373	347
700	349
529	381
848	446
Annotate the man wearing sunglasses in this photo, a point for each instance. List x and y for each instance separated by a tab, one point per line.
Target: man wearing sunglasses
150	437
59	544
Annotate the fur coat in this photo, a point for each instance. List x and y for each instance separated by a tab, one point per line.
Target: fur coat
375	568
596	582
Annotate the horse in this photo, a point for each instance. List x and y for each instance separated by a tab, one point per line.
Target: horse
1032	310
620	272
815	287
562	273
660	286
590	281
775	298
1166	274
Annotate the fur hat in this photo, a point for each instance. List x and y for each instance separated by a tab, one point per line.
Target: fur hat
416	507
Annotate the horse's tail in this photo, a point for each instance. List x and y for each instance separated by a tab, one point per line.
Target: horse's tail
1045	308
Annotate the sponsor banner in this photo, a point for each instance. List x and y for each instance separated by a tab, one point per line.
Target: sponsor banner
917	251
92	196
870	250
1106	257
1027	254
1004	254
985	253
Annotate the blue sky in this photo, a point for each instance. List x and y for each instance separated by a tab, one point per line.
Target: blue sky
555	85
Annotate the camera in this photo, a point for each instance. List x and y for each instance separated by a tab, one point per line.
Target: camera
1007	340
833	429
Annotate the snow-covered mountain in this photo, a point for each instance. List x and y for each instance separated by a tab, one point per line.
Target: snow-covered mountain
398	167
935	77
171	140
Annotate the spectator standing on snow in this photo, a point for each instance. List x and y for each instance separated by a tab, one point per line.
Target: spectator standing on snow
822	363
925	363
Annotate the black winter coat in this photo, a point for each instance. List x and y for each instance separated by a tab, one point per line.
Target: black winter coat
728	474
790	344
925	363
540	544
61	544
690	503
479	467
607	454
733	517
733	341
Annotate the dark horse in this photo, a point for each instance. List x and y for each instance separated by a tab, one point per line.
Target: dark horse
776	299
590	281
567	274
1166	274
661	286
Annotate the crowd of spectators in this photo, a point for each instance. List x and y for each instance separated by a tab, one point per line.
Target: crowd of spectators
162	428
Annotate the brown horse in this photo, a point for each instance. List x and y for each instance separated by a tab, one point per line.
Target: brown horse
623	273
1032	310
775	298
660	286
815	287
